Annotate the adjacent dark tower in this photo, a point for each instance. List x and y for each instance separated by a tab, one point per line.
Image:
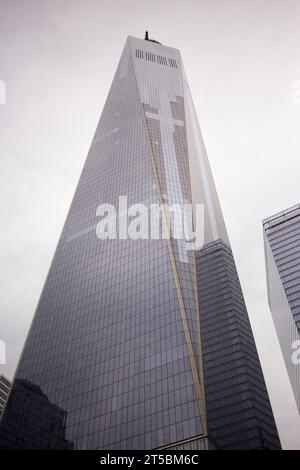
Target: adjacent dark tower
237	403
140	344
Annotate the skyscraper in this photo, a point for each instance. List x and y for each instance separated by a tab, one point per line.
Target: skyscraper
282	254
118	341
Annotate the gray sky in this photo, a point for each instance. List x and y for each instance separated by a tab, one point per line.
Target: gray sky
58	58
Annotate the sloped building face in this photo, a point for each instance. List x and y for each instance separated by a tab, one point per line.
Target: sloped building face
116	340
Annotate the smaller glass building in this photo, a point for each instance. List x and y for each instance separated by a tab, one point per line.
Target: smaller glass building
282	253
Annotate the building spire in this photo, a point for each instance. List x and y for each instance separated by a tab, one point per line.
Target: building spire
147	38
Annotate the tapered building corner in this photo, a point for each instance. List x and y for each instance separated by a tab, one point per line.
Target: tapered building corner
142	342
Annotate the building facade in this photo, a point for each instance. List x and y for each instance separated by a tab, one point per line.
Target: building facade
282	254
118	342
5	385
238	408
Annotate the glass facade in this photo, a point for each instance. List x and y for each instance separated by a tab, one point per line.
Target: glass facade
114	356
282	253
5	385
107	344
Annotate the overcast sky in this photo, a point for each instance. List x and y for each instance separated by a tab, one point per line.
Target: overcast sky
58	58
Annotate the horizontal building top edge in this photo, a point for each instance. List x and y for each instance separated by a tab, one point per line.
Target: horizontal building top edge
285	214
151	45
